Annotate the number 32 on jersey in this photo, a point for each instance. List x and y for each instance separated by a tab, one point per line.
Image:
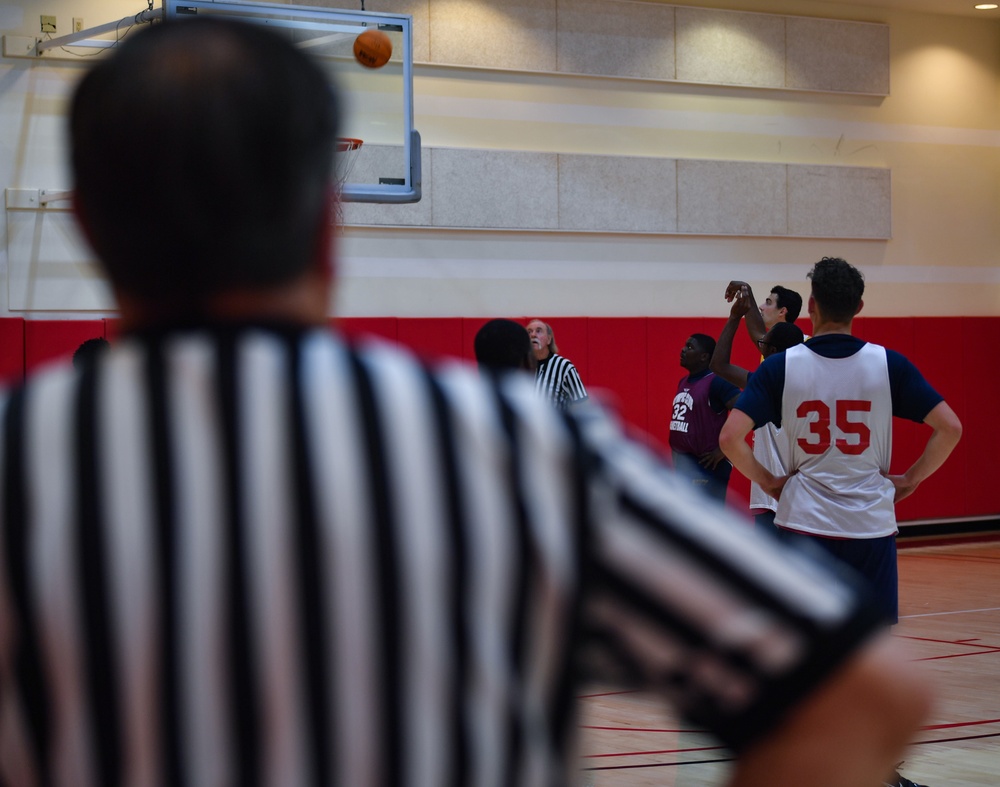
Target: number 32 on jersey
854	436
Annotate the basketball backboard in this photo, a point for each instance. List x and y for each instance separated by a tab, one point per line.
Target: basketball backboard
378	102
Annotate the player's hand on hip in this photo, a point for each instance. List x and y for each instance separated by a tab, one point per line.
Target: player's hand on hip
904	487
774	488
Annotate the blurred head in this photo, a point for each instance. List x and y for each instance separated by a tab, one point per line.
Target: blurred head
503	344
543	341
88	350
202	153
837	289
780	338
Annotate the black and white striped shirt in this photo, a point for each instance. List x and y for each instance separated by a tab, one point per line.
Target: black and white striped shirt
257	556
557	380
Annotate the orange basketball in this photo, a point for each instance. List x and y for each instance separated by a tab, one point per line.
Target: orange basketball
372	48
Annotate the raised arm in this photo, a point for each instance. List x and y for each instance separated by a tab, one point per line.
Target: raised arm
720	363
754	321
945	434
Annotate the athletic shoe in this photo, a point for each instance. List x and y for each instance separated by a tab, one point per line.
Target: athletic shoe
902	781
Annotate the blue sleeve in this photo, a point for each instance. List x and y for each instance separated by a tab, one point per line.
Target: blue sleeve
912	396
720	392
761	400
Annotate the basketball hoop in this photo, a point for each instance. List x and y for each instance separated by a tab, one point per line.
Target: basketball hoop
343	163
347	157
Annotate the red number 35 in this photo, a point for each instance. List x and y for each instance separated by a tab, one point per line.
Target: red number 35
820	427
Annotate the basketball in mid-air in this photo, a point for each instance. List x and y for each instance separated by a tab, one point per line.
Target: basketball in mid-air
372	48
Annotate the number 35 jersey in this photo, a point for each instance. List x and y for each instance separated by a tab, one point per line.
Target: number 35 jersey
836	416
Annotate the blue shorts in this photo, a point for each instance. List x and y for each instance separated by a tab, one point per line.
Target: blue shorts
714	483
764	523
874	559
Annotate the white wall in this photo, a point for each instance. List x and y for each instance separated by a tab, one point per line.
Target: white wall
938	132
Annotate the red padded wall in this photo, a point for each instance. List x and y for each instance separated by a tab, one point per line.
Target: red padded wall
616	354
944	493
470	326
384	327
972	352
635	361
11	350
431	337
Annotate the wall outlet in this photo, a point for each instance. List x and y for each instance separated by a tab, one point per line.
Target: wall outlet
77	24
48	23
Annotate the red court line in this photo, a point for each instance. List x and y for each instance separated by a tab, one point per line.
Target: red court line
647	753
960	655
954	558
950	642
957	740
960	724
606	694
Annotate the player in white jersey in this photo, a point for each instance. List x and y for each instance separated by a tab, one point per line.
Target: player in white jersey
835	397
837	414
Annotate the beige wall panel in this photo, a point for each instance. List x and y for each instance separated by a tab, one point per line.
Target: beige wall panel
365	170
839	202
490	274
495	188
516	34
617	194
728	48
420	11
620	39
842	56
731	198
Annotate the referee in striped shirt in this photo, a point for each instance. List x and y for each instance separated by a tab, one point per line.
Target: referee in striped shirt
235	550
556	378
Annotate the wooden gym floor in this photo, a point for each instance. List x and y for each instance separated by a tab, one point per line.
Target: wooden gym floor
950	621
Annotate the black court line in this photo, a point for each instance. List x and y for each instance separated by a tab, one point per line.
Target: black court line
637	729
659	765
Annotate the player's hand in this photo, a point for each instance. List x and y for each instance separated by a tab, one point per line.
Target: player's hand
741	304
711	460
774	488
904	487
734	287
